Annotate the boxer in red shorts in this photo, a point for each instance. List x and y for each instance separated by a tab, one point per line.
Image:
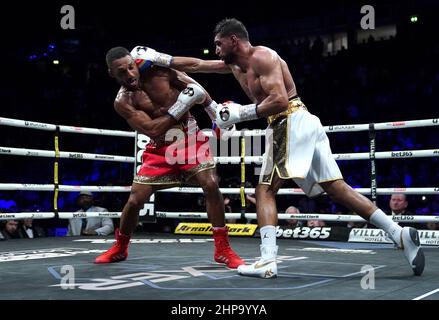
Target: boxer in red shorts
155	101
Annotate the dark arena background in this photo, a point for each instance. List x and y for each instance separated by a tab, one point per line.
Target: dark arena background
368	69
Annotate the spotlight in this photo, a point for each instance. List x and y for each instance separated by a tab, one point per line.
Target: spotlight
414	19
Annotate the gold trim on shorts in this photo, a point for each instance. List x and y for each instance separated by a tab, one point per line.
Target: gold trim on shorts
331	179
158	180
188	174
174	179
294	105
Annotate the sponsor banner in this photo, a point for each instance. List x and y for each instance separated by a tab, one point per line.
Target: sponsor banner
36	125
427	237
369	235
401	218
206	229
104	157
316	233
76	155
44	254
141	142
401	154
342	127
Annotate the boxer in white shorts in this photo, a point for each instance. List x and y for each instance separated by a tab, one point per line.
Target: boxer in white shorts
300	146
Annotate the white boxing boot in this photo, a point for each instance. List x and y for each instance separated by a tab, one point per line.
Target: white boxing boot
412	249
265	268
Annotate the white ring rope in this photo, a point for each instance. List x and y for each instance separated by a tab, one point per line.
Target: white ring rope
70	129
384	125
351	127
300	216
297	191
203	215
67	188
285	191
221	160
64	154
245	133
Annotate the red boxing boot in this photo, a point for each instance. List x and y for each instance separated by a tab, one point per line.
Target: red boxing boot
119	250
223	252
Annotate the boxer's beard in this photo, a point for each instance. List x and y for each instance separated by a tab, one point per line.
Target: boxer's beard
229	58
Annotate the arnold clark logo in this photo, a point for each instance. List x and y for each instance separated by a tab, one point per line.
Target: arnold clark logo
104	157
402	154
342	156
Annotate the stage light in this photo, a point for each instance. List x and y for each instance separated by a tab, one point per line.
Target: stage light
414	19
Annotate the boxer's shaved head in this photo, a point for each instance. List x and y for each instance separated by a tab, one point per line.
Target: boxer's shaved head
116	53
228	27
123	68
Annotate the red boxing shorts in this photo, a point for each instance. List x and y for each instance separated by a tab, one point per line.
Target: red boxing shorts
177	156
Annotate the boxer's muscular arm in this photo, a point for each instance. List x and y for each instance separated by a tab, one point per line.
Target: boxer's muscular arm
145	56
142	122
268	68
180	80
193	65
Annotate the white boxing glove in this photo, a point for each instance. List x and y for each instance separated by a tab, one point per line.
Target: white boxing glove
229	113
211	110
144	57
223	134
193	94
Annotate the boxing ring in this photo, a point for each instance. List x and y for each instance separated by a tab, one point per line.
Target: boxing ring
178	267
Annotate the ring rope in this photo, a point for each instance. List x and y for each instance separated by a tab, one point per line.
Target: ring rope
284	191
427	153
203	215
51	127
64	154
246	133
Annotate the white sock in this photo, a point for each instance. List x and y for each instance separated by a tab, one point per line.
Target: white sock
383	221
268	235
268	242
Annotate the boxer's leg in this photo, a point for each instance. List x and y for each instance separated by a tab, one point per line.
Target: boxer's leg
266	210
140	194
208	181
406	238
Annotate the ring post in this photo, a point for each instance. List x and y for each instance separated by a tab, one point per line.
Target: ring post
372	150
